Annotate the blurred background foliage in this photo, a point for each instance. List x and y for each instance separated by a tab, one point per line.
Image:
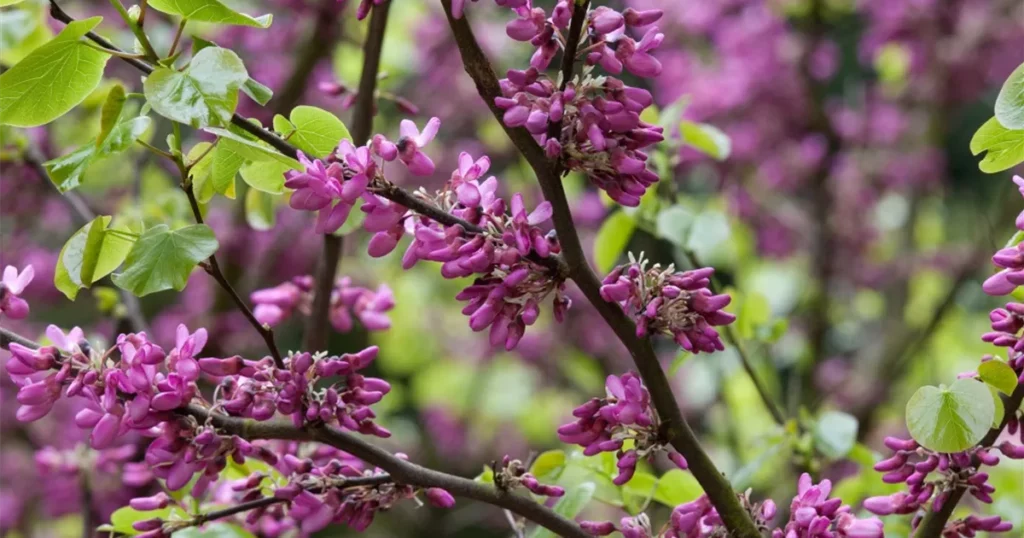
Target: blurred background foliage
776	108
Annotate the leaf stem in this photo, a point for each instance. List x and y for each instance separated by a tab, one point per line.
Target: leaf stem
177	37
136	29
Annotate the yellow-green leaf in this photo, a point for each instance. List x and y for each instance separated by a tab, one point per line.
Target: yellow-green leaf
53	79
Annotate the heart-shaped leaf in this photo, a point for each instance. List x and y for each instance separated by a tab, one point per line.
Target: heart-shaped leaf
1010	102
53	79
204	94
950	419
1005	147
209	11
66	172
163	258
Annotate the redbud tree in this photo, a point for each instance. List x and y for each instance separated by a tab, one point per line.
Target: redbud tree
298	325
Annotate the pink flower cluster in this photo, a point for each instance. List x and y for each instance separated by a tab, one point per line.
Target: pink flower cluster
512	474
813	514
662	301
334	187
601	133
136	388
274	305
260	389
913	464
506	250
11	286
625	413
1010	259
695	519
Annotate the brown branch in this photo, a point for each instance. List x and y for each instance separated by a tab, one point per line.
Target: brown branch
202	519
213	268
678	432
362	125
325	34
400	471
748	365
824	251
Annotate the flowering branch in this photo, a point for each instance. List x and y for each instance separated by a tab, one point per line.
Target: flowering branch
362	123
677	431
935	522
399	470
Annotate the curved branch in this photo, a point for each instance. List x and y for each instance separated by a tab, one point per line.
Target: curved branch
400	471
213	268
679	433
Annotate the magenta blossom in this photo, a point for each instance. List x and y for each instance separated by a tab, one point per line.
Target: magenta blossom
412	141
12	285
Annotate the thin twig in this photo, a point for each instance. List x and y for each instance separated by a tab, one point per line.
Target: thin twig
136	29
748	366
401	471
678	432
177	37
213	268
362	123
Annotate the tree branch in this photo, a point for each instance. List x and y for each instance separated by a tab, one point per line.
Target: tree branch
213	268
400	471
748	366
320	43
202	519
362	123
682	438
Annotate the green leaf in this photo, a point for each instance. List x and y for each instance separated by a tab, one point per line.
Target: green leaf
5	3
209	11
998	374
163	258
23	30
251	150
202	184
569	506
204	94
259	210
89	255
950	419
678	362
639	490
1005	147
53	79
1010	102
252	87
997	401
673	224
548	465
612	239
314	131
677	487
257	91
122	519
708	139
835	434
66	172
265	176
753	311
111	112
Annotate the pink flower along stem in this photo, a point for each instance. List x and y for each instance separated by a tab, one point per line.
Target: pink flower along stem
399	470
677	431
935	522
